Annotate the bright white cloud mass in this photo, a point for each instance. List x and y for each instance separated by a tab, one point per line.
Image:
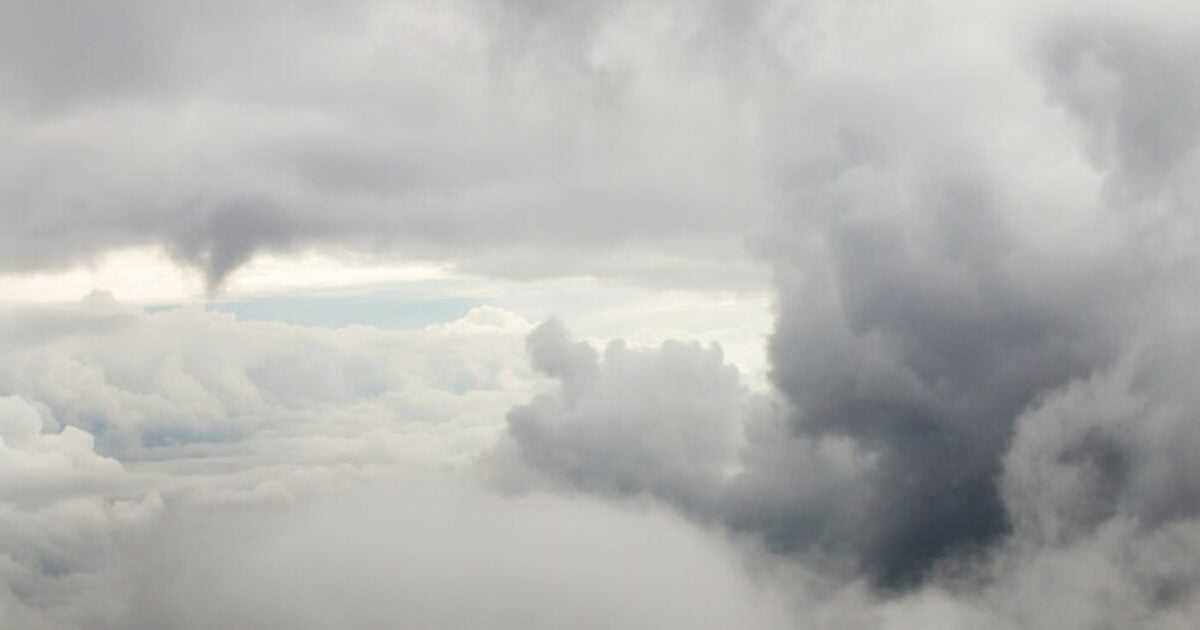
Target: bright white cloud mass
526	314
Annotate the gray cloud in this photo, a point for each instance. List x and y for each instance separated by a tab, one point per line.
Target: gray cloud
664	421
932	300
221	130
1127	81
951	253
1097	491
448	555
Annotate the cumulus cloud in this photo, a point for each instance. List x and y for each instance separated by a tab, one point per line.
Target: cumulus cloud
115	422
664	421
973	242
1096	485
1097	488
62	505
141	382
934	286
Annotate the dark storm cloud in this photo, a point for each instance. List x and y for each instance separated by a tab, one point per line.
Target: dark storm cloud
219	239
965	233
518	139
931	314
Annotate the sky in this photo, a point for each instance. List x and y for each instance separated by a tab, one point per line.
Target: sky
641	313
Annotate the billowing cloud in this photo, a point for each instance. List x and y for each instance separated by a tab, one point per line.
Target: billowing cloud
62	506
969	237
664	421
114	421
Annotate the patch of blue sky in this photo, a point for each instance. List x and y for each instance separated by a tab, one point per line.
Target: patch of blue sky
377	310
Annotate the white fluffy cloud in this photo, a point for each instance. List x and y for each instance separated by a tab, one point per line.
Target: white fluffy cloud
112	419
141	382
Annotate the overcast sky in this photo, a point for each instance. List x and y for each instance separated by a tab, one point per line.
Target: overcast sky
526	314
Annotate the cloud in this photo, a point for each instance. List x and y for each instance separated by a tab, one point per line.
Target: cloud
186	377
928	297
1112	446
445	554
1123	79
406	548
664	421
38	466
62	505
115	423
953	259
505	138
1096	485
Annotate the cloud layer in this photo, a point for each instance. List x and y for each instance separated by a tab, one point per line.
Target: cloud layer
477	133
